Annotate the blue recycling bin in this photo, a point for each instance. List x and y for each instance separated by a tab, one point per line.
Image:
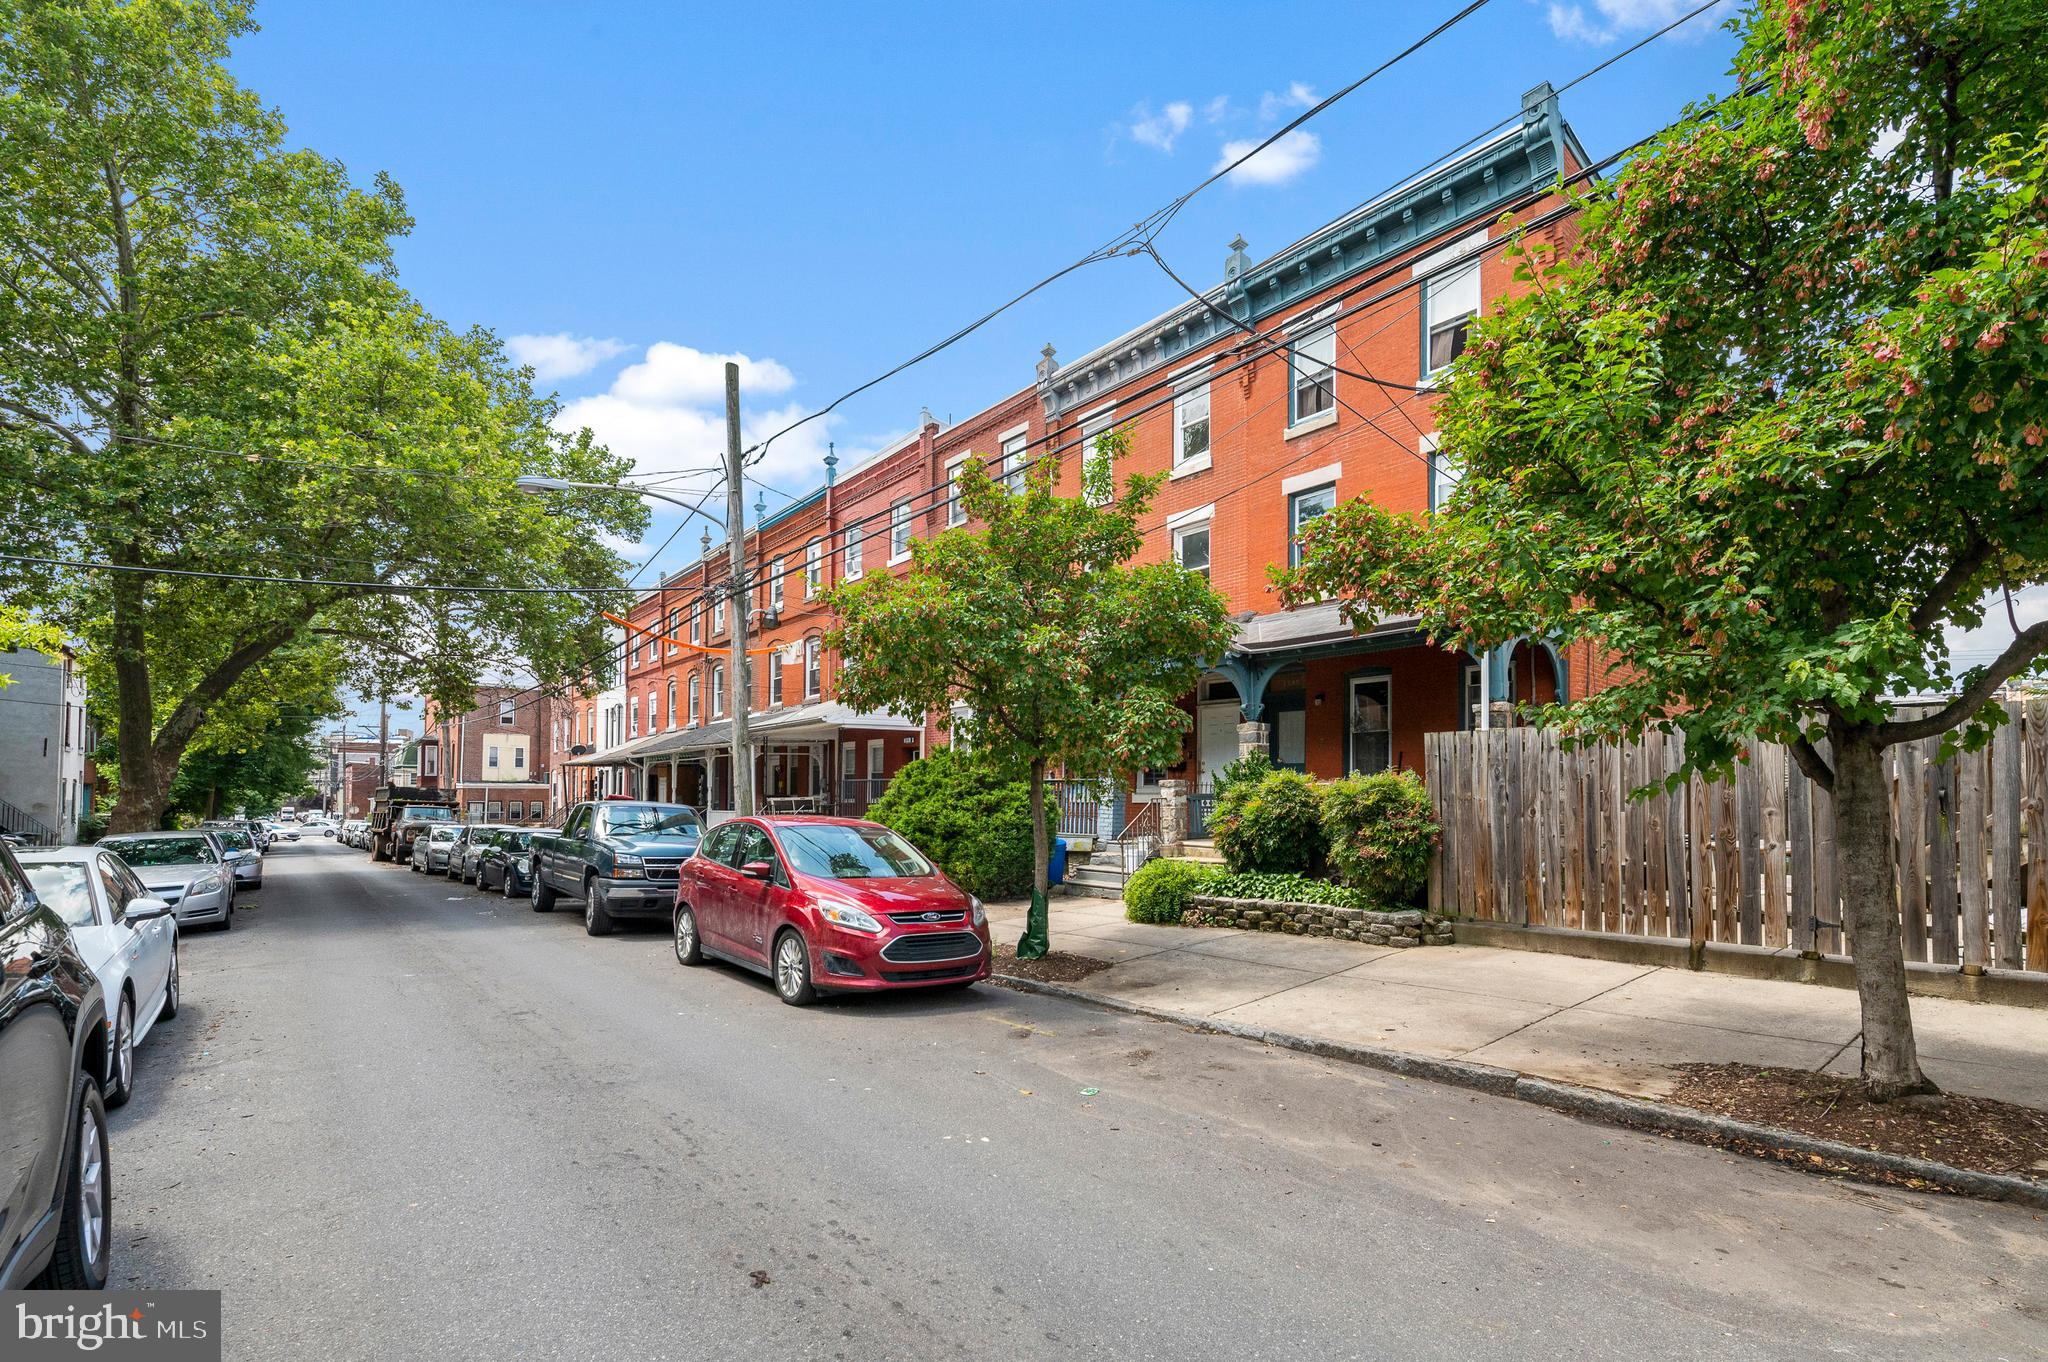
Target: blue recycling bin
1056	865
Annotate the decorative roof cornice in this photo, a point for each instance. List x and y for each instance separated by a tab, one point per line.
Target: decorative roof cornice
1473	187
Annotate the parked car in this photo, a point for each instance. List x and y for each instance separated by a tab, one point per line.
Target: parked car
430	852
55	1229
619	858
243	853
187	870
827	904
506	860
287	831
352	830
468	842
127	935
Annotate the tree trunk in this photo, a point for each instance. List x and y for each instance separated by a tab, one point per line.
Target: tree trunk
1864	870
139	804
1036	941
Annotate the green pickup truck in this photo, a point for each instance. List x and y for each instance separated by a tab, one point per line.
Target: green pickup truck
619	857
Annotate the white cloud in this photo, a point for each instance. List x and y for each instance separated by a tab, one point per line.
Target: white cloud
673	373
1975	647
561	355
1296	96
1612	18
1285	161
1217	109
1161	130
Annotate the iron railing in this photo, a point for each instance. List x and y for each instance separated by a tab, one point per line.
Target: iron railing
857	793
19	822
1080	806
1139	839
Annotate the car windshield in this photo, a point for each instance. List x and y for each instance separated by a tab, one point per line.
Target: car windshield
442	834
234	841
161	850
62	885
650	818
840	851
517	841
430	813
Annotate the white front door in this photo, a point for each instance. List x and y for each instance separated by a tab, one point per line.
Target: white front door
1217	738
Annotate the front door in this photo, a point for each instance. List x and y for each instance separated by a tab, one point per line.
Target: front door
1218	739
1369	738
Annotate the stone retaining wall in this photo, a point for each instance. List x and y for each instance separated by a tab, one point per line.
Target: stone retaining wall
1409	928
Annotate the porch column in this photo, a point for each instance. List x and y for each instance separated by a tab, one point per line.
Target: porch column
1254	737
1173	816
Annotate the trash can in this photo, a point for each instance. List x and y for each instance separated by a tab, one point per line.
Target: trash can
1056	864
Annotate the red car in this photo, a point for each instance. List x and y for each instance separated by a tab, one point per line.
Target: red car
826	904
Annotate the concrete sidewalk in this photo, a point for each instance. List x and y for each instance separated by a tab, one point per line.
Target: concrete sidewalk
1592	1022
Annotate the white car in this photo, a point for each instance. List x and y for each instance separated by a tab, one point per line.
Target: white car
126	933
187	870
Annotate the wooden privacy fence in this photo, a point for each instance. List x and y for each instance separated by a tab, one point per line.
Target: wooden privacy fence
1539	836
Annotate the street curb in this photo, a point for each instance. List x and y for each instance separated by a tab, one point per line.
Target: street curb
1590	1103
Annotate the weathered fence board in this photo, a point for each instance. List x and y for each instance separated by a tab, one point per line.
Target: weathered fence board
1535	833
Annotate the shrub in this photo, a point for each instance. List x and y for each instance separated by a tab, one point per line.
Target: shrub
1254	766
1273	823
973	820
1284	889
1160	890
1381	834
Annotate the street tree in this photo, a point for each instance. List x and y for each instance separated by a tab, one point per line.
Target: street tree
207	365
1769	425
1035	635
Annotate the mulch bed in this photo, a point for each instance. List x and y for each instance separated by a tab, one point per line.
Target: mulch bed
1058	967
1975	1133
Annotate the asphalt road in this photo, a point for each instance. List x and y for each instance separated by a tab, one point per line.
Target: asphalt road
397	1119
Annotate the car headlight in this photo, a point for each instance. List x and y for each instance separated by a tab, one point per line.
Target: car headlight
980	913
523	864
847	916
627	866
206	884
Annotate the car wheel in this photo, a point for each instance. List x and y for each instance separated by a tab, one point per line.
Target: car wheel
597	918
121	1056
227	919
689	950
170	1007
793	970
256	883
83	1237
543	897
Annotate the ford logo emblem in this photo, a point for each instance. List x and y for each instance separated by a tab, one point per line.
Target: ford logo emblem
931	917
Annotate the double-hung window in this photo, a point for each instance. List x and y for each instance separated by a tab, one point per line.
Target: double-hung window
1450	300
854	535
775	678
696	698
1313	362
814	667
956	509
899	531
718	617
1014	458
1303	507
1444	472
675	627
506	709
653	711
634	711
775	570
1189	531
671	702
718	690
1098	471
814	568
696	622
1191	427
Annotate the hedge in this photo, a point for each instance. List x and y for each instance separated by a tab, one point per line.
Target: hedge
972	820
1159	891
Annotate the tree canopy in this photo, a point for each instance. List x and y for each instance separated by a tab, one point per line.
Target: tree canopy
207	364
1770	421
1056	650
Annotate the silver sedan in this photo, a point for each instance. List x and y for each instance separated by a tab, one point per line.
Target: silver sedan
185	869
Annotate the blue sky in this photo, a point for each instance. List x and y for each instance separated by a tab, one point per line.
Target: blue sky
631	192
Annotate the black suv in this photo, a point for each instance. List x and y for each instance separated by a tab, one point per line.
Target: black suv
54	1219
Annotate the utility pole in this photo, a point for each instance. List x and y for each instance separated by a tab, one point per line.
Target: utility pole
383	735
735	532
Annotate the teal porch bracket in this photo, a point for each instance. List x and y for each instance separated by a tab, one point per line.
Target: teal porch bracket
1250	677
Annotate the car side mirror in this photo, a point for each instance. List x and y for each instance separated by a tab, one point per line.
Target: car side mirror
145	909
758	870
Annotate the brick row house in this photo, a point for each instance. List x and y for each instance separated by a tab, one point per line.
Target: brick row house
1258	436
495	758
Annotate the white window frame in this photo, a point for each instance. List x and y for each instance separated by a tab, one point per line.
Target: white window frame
814	667
775	678
718	690
1444	472
814	568
900	517
1309	369
696	690
956	510
1016	447
718	617
1295	497
508	713
1185	404
696	621
1200	519
776	569
855	534
430	759
633	707
1452	299
1093	428
671	627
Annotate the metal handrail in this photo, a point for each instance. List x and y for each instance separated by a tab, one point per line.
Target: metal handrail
25	825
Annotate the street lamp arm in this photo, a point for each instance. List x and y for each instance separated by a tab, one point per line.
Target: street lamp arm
535	484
